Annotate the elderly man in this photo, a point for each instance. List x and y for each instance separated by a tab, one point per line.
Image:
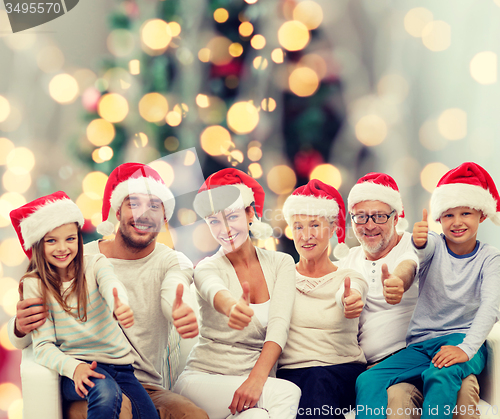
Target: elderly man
387	261
154	275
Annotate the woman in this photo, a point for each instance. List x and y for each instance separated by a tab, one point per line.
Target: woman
246	297
322	355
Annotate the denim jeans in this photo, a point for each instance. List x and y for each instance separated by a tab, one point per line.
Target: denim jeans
105	398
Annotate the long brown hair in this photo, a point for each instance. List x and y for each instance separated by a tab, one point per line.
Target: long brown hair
51	281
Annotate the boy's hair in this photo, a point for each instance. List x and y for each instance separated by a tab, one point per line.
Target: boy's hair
51	282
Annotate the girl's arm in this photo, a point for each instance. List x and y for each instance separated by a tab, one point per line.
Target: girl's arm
106	280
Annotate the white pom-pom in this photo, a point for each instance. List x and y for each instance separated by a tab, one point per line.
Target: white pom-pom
261	230
402	225
106	228
341	251
496	218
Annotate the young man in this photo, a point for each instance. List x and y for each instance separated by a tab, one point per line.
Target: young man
458	299
154	275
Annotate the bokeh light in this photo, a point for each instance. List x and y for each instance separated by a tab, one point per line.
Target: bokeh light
245	29
221	15
277	55
9	393
260	63
171	143
11	252
173	118
258	42
293	35
215	112
430	137
9	299
105	153
186	216
134	66
155	35
89	206
242	117
153	107
436	35
219	50
204	55
254	153
100	132
113	107
141	140
203	239
484	67
63	88
235	49
268	104
394	87
4	109
452	124
93	184
13	182
430	175
8	202
16	409
202	101
371	130
165	170
416	20
120	42
21	160
237	155
175	29
255	170
50	59
216	140
303	81
190	158
4	338
309	13
315	62
328	174
6	146
281	179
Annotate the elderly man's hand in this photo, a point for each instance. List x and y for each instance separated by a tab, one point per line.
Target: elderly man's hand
393	286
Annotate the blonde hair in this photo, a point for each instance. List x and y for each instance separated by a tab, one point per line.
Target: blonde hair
51	281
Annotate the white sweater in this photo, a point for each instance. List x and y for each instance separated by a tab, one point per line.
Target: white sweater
320	335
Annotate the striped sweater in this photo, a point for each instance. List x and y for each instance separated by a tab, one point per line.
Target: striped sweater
64	341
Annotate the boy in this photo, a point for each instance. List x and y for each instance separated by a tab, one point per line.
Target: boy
459	295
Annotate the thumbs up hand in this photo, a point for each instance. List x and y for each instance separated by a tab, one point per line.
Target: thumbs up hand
184	318
353	304
122	312
393	286
240	314
420	231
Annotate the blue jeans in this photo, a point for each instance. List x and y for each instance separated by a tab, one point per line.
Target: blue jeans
441	385
329	389
105	398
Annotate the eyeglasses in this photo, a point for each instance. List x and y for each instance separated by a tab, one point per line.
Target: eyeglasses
377	218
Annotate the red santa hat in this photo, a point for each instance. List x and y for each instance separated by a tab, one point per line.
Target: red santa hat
229	189
379	187
127	179
35	219
468	185
318	198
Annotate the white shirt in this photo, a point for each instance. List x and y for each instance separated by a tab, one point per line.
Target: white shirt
382	326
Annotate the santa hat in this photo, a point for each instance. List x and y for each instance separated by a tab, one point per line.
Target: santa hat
229	189
318	198
35	219
468	185
130	178
379	187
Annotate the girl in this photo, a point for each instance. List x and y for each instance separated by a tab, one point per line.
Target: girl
232	368
80	339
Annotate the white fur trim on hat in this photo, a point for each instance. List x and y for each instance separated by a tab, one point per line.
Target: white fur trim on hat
309	205
261	230
48	217
454	195
244	200
143	185
369	191
341	251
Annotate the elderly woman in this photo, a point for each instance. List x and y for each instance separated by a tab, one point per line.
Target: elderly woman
322	355
246	297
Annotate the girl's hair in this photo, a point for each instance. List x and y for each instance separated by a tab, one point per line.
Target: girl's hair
51	281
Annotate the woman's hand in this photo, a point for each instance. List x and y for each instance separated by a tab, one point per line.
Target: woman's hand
81	377
247	395
240	314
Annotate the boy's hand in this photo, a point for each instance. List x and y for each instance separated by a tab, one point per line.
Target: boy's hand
353	304
240	314
81	377
183	316
122	312
393	286
449	355
420	231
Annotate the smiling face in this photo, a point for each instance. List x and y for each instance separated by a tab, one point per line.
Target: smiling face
377	240
60	247
230	227
141	218
460	227
311	236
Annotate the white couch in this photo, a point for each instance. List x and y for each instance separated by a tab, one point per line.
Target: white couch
42	399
